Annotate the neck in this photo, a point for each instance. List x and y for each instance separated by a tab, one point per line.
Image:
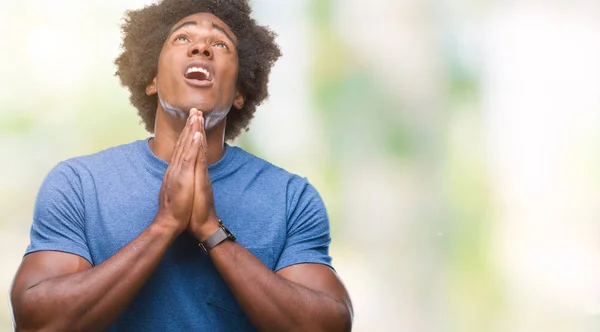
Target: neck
167	131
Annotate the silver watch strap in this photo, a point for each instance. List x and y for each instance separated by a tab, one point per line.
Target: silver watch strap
215	238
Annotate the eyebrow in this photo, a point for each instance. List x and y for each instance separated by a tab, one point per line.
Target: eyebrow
215	26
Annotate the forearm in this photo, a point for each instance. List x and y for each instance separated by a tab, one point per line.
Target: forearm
91	299
273	303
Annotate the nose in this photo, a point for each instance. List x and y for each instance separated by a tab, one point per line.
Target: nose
200	49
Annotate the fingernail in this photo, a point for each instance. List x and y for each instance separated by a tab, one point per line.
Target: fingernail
196	135
193	111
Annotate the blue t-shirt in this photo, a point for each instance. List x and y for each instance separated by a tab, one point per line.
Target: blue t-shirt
92	206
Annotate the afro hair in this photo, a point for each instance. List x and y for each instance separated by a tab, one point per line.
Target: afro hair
145	31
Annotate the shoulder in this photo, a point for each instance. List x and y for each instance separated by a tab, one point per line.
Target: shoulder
103	158
297	188
258	167
73	172
110	159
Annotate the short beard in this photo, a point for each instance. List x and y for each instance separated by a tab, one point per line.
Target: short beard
170	109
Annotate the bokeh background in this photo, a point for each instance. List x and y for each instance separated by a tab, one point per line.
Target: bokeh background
455	143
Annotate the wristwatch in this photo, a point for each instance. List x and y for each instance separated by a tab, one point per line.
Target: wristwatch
217	237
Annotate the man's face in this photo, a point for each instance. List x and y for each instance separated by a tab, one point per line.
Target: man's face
198	68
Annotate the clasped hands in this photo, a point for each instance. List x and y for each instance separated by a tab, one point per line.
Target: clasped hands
186	198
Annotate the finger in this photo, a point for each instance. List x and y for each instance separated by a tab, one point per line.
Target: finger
181	143
184	135
203	145
201	170
201	118
205	154
203	132
189	143
190	155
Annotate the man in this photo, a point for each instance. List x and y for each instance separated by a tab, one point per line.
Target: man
182	232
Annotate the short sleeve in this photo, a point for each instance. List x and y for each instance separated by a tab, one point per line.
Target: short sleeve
58	215
308	235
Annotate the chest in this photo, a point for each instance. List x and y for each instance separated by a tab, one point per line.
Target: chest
118	211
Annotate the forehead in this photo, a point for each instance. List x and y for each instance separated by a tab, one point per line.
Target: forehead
207	20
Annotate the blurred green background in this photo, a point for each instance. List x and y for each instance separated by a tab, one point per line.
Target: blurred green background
455	143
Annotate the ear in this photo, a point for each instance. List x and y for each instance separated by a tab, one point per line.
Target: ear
151	88
239	100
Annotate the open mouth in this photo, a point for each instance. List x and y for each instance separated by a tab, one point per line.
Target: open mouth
198	72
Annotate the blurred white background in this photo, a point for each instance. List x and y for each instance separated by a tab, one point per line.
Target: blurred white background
455	143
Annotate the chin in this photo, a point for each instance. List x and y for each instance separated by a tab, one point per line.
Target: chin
201	106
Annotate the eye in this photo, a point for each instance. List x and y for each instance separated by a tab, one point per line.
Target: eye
222	45
181	38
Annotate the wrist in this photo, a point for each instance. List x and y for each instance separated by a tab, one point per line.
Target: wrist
163	230
216	238
166	225
202	232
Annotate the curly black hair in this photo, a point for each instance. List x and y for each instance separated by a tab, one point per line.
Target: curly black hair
145	31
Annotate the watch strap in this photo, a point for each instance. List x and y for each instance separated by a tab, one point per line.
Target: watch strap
217	237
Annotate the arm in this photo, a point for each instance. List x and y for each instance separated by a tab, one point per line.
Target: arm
60	291
302	297
299	297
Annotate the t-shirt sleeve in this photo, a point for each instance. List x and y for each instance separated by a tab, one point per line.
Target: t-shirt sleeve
58	215
308	235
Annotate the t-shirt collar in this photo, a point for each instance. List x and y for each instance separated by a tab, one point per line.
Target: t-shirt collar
158	166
